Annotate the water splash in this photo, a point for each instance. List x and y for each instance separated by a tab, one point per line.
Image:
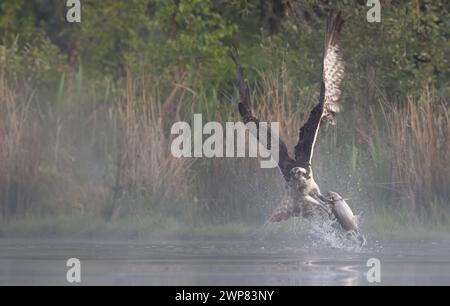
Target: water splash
326	232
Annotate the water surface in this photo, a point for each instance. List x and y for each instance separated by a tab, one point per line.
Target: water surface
24	262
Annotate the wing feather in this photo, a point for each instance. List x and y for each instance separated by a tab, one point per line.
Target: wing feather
330	93
333	69
285	163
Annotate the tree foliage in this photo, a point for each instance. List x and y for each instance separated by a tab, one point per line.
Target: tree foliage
407	50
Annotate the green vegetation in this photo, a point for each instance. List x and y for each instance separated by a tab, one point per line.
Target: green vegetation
86	110
380	226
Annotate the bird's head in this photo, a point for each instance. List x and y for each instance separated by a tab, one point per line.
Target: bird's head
300	174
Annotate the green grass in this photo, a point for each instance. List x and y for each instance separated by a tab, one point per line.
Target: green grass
378	226
399	224
136	227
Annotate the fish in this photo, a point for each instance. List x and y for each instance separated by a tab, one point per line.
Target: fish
343	212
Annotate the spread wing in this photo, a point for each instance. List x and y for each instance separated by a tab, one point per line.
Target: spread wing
333	69
333	73
285	163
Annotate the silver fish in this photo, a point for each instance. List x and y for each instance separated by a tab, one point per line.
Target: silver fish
343	212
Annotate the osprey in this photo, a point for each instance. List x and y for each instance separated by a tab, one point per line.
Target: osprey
305	197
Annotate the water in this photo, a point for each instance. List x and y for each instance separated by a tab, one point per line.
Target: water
256	262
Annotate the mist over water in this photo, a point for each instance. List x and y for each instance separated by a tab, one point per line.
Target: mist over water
308	253
248	262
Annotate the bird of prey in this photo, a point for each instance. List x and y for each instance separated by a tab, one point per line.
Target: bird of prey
305	198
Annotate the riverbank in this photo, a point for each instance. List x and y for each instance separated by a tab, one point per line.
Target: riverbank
158	227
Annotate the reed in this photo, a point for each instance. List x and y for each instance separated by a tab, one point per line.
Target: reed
145	165
20	150
386	157
419	146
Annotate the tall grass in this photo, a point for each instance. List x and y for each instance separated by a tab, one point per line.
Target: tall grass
145	165
418	149
397	150
20	150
